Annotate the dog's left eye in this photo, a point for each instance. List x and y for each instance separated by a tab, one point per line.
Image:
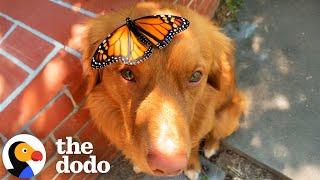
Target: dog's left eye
195	77
127	75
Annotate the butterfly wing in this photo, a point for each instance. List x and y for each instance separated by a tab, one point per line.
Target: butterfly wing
160	29
121	45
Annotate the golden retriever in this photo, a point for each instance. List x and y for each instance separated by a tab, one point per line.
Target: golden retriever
158	112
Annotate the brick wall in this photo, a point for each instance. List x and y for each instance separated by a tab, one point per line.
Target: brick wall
41	89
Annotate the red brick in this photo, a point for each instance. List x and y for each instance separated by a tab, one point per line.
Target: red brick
50	149
11	76
79	93
205	7
101	146
73	124
101	7
92	176
49	172
79	157
1	143
4	27
111	152
63	70
209	7
194	4
63	176
47	17
80	176
52	117
11	177
89	133
76	37
27	47
3	170
183	2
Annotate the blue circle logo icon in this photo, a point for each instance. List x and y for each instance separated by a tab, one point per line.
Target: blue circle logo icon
24	156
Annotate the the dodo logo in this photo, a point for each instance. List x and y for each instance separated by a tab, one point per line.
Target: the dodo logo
24	156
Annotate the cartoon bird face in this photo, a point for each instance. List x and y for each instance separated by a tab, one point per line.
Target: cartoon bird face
24	152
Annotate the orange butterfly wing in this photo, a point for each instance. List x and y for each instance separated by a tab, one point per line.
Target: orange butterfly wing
131	45
121	45
160	29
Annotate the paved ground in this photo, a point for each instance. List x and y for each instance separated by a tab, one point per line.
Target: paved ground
278	67
228	164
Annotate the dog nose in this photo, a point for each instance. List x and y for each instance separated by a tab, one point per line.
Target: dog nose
166	164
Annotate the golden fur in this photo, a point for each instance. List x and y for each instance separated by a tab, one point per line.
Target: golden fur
130	113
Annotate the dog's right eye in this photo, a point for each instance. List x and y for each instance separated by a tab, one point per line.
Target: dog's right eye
127	74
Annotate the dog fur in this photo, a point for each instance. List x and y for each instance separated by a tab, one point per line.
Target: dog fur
131	114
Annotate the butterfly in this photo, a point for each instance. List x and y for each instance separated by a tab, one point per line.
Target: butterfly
133	42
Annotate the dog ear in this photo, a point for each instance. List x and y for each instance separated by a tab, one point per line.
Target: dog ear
221	74
96	30
90	74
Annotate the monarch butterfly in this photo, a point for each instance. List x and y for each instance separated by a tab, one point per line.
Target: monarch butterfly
133	42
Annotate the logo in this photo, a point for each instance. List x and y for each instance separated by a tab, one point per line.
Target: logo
70	147
24	156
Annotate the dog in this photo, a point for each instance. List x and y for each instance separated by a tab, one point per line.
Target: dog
158	112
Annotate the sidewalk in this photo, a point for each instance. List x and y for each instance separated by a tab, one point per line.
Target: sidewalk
278	67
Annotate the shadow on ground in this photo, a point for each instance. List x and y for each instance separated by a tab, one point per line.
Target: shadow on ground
278	68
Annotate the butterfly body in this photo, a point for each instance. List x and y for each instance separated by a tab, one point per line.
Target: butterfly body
133	42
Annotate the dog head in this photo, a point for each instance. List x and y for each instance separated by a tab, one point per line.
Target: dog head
147	110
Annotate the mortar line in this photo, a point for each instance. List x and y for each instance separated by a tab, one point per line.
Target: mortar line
73	112
53	138
7	176
44	108
32	30
201	3
74	8
73	52
16	61
11	29
42	35
189	4
69	94
86	124
4	139
55	176
51	160
29	131
28	80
